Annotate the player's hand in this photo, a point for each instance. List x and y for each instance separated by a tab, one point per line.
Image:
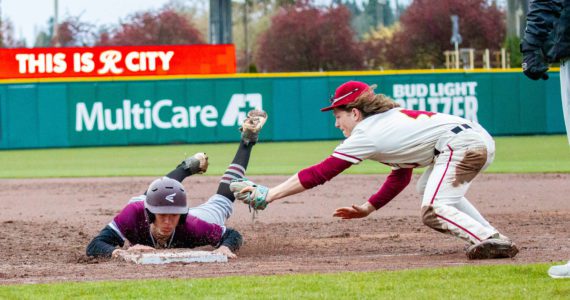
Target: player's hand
354	212
254	189
534	65
203	159
197	163
118	253
225	251
136	248
139	247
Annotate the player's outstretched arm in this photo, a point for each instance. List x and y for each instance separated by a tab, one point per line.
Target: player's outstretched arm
230	243
259	196
289	187
105	243
308	178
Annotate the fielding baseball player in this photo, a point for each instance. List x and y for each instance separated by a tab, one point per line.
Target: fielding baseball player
547	39
453	149
161	219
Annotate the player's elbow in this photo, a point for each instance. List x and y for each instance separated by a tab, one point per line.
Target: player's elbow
90	250
232	239
239	240
97	248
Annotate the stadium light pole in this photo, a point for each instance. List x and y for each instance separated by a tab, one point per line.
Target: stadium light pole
220	29
1	29
55	25
455	37
245	36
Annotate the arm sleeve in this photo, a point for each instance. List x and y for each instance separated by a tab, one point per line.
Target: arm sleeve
394	184
130	222
322	172
541	17
232	239
105	243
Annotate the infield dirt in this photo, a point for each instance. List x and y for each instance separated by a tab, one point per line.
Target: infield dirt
45	225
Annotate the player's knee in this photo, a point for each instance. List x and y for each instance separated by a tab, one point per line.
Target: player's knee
426	214
429	217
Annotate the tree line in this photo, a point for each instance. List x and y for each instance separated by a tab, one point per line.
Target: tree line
289	35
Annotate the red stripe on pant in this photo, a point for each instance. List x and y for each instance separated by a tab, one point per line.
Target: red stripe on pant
457	225
437	189
443	176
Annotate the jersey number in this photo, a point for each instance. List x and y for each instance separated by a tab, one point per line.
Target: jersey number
414	114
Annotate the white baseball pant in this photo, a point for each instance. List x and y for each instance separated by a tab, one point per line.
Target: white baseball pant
444	184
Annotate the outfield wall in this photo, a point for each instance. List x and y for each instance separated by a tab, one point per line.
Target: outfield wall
165	110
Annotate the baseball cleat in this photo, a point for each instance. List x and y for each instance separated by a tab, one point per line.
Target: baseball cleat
500	236
562	271
252	126
197	163
492	248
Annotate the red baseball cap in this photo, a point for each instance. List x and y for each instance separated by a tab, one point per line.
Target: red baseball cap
346	93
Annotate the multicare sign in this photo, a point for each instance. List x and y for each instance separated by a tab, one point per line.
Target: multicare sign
117	61
162	114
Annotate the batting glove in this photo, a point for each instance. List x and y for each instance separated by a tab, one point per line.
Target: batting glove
197	163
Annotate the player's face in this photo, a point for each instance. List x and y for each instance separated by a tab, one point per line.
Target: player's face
165	223
345	121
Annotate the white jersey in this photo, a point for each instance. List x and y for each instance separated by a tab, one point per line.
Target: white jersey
400	138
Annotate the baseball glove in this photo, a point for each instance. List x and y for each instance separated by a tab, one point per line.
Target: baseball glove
256	199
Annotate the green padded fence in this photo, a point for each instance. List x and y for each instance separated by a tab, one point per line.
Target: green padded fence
204	110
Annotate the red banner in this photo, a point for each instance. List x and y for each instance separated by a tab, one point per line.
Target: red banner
117	61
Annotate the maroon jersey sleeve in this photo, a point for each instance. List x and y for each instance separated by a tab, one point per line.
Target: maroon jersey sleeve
131	223
394	184
322	172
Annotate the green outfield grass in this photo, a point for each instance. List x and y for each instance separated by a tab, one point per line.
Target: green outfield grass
470	282
529	154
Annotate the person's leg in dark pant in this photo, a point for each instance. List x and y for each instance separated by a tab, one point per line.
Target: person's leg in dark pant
236	169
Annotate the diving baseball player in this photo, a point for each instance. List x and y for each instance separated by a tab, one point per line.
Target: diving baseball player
453	149
161	219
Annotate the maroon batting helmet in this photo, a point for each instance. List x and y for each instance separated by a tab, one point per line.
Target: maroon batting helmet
166	196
